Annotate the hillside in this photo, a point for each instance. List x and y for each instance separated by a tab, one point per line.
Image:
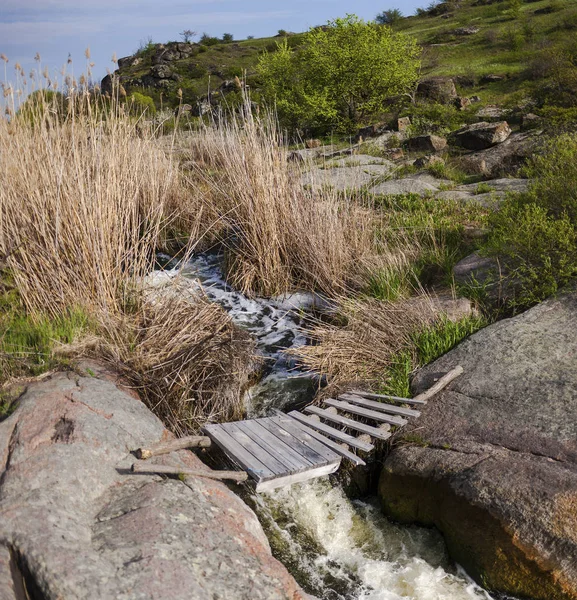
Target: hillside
500	51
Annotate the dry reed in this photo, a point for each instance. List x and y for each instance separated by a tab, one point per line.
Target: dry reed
278	236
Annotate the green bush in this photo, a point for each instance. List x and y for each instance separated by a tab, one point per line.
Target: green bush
535	233
340	75
140	103
438	119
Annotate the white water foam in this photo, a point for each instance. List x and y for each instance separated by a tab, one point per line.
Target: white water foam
362	555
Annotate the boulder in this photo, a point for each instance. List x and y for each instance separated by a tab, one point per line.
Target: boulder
531	121
422	184
480	136
461	102
74	523
492	461
161	71
428	161
437	89
427	143
505	158
403	123
492	113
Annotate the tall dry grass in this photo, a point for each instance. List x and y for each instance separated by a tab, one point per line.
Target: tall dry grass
278	236
85	199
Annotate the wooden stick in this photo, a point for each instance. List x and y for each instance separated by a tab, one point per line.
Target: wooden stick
192	441
442	383
141	467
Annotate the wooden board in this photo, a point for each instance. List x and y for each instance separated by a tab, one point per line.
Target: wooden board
379	416
372	396
381	406
332	432
271	454
372	431
342	451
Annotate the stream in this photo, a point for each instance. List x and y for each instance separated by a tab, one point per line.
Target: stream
336	548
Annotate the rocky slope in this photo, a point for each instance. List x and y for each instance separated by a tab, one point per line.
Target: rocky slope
74	523
492	461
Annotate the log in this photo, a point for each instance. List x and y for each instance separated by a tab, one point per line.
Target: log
192	441
442	383
142	467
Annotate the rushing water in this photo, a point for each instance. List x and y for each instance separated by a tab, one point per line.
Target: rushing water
337	548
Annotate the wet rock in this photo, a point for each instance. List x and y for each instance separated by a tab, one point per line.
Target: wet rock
480	136
427	143
492	461
74	524
437	89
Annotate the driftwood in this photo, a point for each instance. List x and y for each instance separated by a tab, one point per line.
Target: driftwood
442	383
192	441
142	467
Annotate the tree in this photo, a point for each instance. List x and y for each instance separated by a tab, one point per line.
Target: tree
342	74
187	35
389	17
227	38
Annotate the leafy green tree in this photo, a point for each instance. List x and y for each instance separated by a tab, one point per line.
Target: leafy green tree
341	74
389	17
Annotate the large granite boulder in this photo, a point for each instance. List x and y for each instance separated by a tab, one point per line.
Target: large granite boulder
75	524
437	89
480	136
492	461
427	143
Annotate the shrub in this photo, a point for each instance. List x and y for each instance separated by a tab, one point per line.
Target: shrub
142	104
227	38
389	17
207	40
324	81
536	232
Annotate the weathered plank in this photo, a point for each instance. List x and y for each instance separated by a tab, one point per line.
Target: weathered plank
237	453
292	461
332	432
330	444
372	431
372	396
304	435
381	406
272	484
442	383
255	449
283	438
379	416
191	441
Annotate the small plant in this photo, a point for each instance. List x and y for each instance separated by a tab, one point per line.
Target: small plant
483	188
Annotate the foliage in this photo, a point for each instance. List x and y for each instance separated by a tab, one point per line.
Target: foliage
208	40
41	103
142	104
227	38
389	17
536	232
341	74
434	118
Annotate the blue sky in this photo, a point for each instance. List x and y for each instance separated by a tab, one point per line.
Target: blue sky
55	28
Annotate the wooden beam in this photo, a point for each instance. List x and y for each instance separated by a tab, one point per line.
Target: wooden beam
381	406
379	417
146	467
335	418
342	451
332	432
272	484
442	383
372	396
192	441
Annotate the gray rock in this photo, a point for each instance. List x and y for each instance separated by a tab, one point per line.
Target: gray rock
531	121
422	184
480	136
437	89
492	461
500	185
161	71
492	113
345	178
75	525
427	143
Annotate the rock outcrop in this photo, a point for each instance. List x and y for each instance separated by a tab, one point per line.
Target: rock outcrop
492	461
437	89
75	524
427	143
482	135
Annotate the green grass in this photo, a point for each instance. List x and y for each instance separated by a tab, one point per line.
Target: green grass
428	345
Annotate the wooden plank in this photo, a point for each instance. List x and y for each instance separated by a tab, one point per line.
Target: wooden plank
237	453
293	461
255	449
329	443
267	486
191	441
332	432
380	417
372	431
372	396
303	435
382	406
442	383
293	445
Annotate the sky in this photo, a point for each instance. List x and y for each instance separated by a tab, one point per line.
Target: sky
58	28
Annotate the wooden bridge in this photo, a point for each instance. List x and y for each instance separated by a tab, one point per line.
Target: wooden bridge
289	448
